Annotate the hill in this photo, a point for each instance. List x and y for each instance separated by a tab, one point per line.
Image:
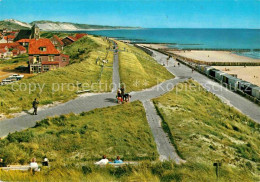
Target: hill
14	24
55	26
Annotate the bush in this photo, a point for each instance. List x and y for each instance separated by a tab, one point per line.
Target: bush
20	137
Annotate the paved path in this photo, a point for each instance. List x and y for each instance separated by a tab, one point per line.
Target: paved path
116	77
164	146
244	105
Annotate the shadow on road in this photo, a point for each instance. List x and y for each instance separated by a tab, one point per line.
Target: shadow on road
27	112
111	100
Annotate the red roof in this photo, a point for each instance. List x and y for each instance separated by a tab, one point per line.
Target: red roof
9	37
58	39
25	40
50	63
80	35
72	38
15	52
2	50
9	45
21	48
64	55
35	45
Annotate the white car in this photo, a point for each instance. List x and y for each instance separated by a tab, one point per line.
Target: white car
6	81
16	76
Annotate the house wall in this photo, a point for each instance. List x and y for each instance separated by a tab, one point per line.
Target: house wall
45	58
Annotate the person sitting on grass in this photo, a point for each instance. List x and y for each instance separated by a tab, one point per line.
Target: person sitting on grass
45	161
118	160
34	166
103	161
2	164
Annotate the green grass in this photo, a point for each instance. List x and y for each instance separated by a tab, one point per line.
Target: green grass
63	83
144	171
205	130
19	60
49	35
138	70
120	130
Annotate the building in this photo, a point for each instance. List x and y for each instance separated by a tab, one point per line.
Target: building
80	35
3	52
68	40
33	33
9	38
9	50
25	43
43	56
57	42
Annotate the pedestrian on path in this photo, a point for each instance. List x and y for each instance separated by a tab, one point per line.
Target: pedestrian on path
119	96
122	89
35	106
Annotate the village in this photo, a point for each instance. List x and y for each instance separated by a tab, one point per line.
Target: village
42	54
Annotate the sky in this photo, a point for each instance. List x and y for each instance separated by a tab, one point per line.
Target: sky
141	13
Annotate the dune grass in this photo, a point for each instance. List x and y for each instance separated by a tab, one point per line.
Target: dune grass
204	130
62	84
138	70
59	34
14	62
120	130
144	171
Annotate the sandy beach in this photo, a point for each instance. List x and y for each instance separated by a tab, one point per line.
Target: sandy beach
155	46
248	73
215	56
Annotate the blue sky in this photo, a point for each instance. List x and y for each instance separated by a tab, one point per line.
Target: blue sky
144	13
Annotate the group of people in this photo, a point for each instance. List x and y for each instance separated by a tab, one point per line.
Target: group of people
105	161
122	96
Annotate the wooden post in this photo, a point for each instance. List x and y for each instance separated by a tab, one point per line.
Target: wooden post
217	165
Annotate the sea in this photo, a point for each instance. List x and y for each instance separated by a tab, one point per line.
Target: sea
244	42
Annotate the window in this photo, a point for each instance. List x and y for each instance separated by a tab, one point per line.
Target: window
64	59
43	48
51	58
46	68
37	59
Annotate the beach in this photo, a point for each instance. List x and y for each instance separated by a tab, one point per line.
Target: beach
215	56
248	73
155	46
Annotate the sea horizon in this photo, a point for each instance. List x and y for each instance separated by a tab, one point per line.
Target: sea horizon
245	42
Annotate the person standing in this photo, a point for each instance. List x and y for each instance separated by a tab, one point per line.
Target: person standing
35	106
122	90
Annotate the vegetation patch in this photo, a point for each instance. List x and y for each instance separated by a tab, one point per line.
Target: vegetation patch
138	70
144	171
205	130
62	84
75	139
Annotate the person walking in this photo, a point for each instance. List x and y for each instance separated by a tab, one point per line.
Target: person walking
35	106
122	89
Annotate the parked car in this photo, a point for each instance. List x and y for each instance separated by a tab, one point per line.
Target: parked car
6	81
16	76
